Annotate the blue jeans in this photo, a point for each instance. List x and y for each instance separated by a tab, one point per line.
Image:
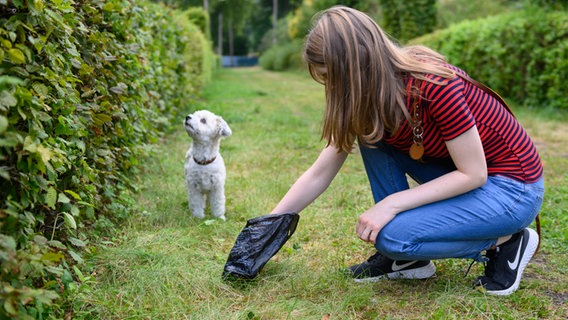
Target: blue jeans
460	227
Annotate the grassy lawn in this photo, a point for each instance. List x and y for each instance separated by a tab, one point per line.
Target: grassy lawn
167	265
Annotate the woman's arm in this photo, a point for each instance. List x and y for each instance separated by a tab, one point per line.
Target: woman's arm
312	182
467	153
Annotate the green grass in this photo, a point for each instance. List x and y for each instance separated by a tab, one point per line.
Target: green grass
167	265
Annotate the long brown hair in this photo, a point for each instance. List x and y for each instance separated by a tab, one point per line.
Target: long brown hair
364	87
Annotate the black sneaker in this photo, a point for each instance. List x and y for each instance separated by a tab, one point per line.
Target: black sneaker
380	267
507	262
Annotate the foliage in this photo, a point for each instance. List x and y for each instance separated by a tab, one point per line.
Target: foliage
287	52
406	20
300	22
455	11
260	26
184	4
283	57
403	19
274	36
234	14
84	87
552	4
200	17
522	55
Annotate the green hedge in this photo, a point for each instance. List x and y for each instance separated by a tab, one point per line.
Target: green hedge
408	19
522	55
200	17
85	87
282	57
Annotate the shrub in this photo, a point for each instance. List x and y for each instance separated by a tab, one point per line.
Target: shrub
84	87
522	55
283	57
408	19
455	11
200	17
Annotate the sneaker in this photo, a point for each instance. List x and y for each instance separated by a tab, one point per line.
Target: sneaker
507	262
380	267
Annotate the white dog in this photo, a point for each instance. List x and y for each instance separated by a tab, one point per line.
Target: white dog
204	167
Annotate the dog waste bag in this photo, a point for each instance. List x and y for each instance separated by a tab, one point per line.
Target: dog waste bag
259	241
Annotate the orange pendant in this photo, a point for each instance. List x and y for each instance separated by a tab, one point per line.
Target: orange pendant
416	151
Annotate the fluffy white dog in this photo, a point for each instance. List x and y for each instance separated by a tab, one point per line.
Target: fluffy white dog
204	167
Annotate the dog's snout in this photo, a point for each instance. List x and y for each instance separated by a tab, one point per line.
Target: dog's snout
188	117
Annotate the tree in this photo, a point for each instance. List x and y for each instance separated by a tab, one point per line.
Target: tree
300	23
232	17
408	19
240	24
245	21
274	19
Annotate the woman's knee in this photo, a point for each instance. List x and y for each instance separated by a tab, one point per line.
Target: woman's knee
392	246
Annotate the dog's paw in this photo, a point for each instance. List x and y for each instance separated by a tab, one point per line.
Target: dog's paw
222	217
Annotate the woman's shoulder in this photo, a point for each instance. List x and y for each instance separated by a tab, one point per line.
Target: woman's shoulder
437	87
437	81
437	78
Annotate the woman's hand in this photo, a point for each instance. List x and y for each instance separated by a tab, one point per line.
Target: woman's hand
372	221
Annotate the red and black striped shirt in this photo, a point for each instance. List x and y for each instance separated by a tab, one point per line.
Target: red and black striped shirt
449	110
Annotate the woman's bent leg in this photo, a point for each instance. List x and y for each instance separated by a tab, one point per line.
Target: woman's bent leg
387	170
463	226
460	227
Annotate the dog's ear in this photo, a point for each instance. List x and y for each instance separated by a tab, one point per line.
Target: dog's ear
224	130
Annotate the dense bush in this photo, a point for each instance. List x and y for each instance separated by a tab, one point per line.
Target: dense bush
408	19
206	60
200	17
455	11
283	57
522	55
84	87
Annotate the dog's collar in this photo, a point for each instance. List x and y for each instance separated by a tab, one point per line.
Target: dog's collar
204	162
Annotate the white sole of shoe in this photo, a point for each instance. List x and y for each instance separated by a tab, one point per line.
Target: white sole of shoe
424	272
527	256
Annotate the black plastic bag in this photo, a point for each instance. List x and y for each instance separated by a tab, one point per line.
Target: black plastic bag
259	241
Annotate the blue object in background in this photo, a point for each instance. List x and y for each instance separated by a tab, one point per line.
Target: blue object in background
238	61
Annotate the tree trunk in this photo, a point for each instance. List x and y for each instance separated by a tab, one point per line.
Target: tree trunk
231	42
274	20
220	36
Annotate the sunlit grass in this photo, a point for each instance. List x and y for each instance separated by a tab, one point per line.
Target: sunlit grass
167	265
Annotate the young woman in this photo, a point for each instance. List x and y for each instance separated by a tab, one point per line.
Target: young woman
479	175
